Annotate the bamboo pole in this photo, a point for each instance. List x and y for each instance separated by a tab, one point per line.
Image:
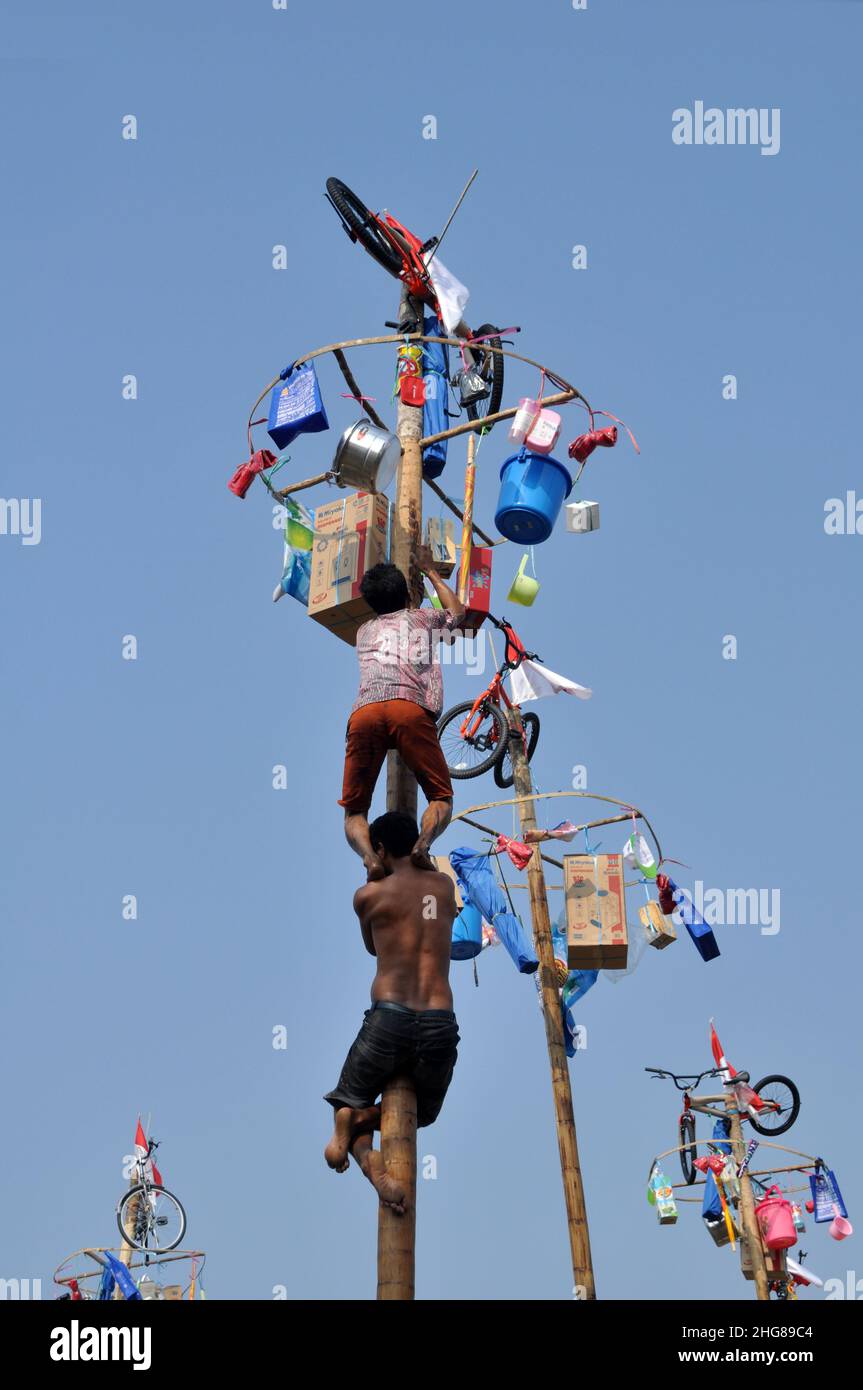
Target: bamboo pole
397	1234
570	1169
467	519
126	1249
747	1206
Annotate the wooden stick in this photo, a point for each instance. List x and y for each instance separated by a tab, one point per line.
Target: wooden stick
467	520
397	1234
476	426
570	1168
354	389
300	487
448	502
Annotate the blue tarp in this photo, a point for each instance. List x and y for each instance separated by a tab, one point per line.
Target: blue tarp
122	1276
480	887
578	982
436	375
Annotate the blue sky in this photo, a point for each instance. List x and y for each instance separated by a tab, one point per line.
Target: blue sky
153	777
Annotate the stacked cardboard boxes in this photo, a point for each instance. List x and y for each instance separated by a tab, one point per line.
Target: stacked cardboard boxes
351	537
595	911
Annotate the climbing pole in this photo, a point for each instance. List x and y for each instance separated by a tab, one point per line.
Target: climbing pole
570	1168
397	1234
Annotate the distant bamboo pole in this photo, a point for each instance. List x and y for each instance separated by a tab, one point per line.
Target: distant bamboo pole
570	1168
127	1248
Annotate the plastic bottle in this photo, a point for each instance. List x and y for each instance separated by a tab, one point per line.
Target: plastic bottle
527	412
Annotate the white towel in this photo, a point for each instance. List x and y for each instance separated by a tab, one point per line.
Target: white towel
532	682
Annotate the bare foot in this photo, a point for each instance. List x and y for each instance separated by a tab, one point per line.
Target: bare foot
421	858
336	1152
374	868
390	1192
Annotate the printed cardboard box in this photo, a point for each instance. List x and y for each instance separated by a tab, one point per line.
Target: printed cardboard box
659	930
440	539
477	600
595	911
351	537
774	1260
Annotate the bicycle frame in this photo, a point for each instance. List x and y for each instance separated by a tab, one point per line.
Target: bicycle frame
495	691
414	273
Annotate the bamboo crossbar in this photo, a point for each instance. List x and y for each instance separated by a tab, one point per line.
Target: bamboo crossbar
548	796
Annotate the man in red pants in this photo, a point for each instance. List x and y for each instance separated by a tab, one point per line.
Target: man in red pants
399	701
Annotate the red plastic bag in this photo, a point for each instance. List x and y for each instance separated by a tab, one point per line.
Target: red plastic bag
248	472
582	448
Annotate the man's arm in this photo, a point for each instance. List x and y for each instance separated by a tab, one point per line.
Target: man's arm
362	907
451	602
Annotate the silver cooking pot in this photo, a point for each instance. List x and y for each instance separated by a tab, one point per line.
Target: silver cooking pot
366	457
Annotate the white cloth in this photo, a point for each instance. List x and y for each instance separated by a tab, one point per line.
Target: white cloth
451	293
533	682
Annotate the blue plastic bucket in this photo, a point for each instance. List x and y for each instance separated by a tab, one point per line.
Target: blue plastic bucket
533	490
466	934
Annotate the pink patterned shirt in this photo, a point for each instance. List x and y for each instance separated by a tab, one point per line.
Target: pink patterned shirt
398	656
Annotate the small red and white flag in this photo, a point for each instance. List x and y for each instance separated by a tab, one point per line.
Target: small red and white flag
719	1056
141	1147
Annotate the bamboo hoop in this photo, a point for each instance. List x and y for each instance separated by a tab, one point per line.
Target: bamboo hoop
811	1161
548	796
94	1251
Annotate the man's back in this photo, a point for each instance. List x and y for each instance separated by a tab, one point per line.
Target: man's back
409	916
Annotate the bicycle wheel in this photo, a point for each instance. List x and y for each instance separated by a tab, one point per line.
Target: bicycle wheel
490	367
785	1095
503	774
469	757
157	1222
362	226
689	1152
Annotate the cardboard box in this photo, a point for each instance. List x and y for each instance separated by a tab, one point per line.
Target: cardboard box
358	527
659	930
478	597
171	1291
440	539
445	867
774	1260
595	911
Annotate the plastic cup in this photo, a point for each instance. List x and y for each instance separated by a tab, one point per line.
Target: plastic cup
524	588
841	1228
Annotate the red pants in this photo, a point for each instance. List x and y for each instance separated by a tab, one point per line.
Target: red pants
400	724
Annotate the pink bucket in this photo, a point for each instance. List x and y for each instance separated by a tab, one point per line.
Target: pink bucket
776	1219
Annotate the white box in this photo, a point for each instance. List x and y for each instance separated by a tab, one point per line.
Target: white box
582	516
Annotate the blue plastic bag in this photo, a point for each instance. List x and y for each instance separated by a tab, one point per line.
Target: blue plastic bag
296	406
466	934
712	1205
436	377
479	887
703	939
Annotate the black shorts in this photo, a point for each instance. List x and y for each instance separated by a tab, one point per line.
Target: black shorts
395	1041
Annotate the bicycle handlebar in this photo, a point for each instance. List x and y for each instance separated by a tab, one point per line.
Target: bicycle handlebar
513	640
691	1081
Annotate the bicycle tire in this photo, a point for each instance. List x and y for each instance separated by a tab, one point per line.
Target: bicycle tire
494	738
689	1151
141	1192
792	1110
359	219
491	367
503	773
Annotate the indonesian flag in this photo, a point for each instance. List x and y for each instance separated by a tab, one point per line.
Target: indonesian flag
719	1056
141	1147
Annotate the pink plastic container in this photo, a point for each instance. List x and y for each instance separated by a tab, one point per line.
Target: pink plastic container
543	433
776	1219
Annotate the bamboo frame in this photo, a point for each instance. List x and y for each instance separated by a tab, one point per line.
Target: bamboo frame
145	1262
549	796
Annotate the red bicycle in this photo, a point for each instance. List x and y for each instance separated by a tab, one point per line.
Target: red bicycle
475	735
771	1106
402	254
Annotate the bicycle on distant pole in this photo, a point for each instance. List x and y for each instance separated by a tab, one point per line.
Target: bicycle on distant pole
771	1106
474	736
150	1217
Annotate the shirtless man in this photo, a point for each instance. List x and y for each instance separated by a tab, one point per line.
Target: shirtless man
406	922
